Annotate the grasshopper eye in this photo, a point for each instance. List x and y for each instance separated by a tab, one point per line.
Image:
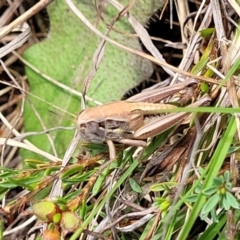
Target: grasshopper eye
82	130
91	132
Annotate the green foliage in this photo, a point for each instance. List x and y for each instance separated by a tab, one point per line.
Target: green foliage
135	186
207	32
163	203
219	197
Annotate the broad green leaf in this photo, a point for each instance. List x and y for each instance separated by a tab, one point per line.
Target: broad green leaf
233	149
232	200
199	186
210	191
67	56
218	181
210	204
229	186
135	186
192	198
226	205
227	176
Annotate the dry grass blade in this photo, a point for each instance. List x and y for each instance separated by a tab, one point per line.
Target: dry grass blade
144	36
25	16
225	58
18	41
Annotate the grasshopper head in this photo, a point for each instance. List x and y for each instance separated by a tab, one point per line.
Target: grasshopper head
89	128
98	129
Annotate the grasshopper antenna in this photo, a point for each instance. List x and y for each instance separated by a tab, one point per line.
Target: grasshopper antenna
83	103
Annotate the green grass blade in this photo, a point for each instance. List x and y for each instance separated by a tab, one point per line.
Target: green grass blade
214	167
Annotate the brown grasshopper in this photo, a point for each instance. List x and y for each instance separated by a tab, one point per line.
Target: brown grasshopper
125	122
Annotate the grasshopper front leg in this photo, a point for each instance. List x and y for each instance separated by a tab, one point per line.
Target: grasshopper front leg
112	152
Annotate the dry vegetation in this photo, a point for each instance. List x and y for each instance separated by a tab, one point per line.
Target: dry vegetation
183	185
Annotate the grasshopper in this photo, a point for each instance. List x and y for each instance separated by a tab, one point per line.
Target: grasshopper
125	121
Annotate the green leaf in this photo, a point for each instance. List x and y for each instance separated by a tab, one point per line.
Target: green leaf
33	163
208	192
160	200
147	229
28	182
204	215
72	170
71	195
210	204
83	210
232	200
192	198
77	179
198	188
135	186
163	186
48	171
165	205
7	172
214	215
227	176
204	87
3	192
204	59
100	181
233	149
225	204
43	193
201	170
155	143
228	186
67	56
7	185
232	70
206	32
218	181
